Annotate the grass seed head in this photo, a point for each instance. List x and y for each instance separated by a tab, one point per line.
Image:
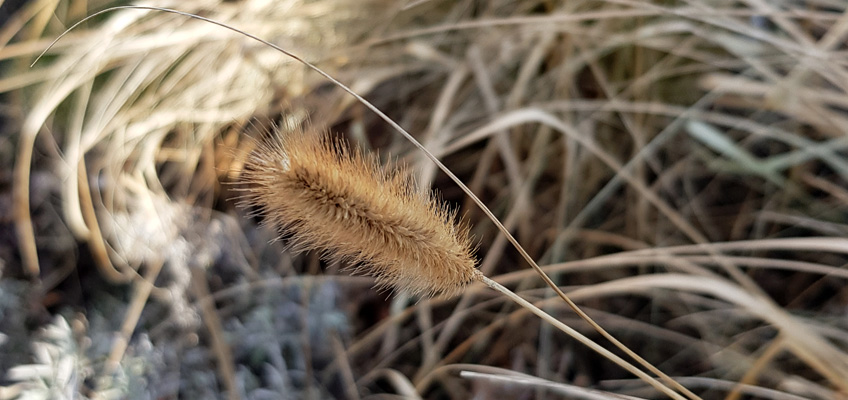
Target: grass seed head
325	196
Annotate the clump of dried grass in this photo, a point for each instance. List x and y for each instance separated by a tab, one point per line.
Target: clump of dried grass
683	137
148	103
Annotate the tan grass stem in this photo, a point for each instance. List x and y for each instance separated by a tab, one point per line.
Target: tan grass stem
577	335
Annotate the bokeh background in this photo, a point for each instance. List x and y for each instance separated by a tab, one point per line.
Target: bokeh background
680	168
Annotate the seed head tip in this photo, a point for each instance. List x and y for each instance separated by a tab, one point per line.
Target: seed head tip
322	195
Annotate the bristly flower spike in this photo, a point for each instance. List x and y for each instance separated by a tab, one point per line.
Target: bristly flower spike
322	195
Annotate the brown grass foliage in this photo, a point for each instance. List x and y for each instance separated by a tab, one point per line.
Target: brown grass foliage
677	167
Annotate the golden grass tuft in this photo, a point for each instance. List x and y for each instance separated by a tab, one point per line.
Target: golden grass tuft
326	196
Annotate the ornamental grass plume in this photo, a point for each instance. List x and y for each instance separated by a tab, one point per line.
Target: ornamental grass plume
323	195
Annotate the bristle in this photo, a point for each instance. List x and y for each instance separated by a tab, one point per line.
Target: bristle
324	196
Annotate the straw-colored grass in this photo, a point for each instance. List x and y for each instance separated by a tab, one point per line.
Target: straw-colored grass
677	168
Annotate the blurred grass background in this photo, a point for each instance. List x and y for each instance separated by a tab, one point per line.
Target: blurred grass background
680	168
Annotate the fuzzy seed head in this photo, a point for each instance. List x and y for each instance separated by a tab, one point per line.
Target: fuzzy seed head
324	196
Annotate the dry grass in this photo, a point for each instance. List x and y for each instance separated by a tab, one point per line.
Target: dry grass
679	170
